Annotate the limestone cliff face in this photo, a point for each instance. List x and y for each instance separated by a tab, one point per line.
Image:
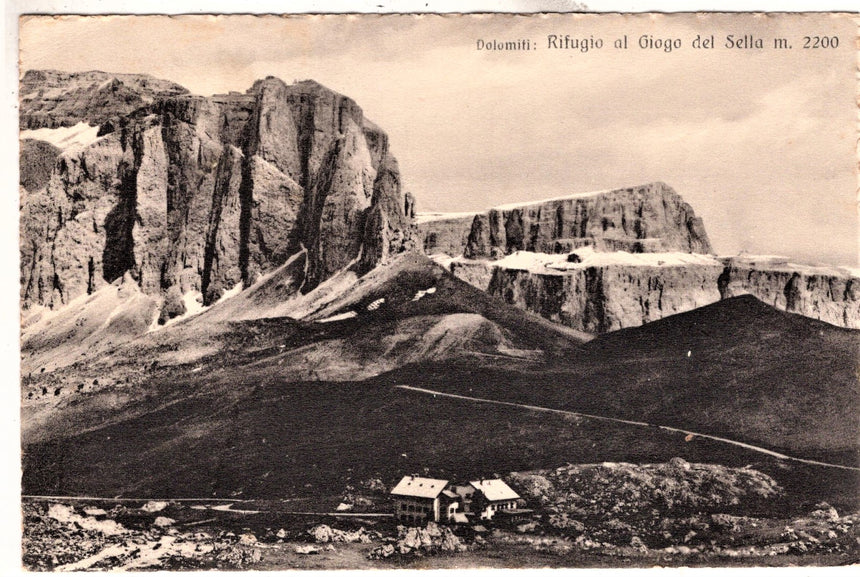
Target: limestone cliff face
819	293
649	218
200	194
50	98
600	299
604	298
442	234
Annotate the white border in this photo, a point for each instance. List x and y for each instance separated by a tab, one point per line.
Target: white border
10	512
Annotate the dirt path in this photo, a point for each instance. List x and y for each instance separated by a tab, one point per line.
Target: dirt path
626	422
225	507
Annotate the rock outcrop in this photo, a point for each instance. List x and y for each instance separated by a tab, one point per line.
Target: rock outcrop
445	233
200	194
35	163
649	218
51	98
614	291
830	295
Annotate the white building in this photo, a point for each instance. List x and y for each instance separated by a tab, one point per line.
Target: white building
491	496
418	499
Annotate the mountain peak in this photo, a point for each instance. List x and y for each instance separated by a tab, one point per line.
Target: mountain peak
54	98
237	183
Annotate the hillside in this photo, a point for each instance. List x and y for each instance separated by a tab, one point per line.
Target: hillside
249	399
737	368
408	311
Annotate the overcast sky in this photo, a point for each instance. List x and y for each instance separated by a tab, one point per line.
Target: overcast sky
760	143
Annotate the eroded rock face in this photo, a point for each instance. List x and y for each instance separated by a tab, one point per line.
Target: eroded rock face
201	194
600	299
445	235
814	292
603	299
649	218
50	98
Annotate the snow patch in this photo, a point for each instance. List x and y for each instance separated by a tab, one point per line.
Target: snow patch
66	514
537	262
421	294
229	293
422	217
193	301
142	555
578	195
444	260
783	263
376	304
339	317
66	137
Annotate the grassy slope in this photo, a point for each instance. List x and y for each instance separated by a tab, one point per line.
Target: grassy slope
233	418
737	368
190	369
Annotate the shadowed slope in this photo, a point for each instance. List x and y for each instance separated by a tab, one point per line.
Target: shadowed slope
738	368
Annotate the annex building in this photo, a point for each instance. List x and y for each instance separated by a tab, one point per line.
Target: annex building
422	499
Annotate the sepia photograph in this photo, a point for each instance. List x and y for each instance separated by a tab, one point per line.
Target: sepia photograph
438	291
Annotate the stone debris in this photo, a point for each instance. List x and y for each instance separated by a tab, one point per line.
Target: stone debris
163	522
326	534
420	541
613	502
154	506
57	538
577	516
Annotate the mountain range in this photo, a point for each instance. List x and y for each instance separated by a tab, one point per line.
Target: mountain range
226	296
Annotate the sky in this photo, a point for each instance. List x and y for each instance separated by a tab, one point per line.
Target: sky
762	143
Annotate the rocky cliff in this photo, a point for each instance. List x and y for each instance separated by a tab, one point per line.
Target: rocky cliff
189	193
35	163
649	218
51	98
445	233
610	291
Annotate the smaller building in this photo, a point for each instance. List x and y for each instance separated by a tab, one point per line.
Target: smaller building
449	505
492	496
465	493
420	499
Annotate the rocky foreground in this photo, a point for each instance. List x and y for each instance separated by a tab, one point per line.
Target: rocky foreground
617	514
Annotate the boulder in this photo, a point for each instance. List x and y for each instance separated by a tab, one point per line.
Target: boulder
153	506
163	522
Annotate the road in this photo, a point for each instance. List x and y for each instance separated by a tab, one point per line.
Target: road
633	423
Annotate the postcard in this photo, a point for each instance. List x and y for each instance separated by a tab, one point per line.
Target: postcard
438	291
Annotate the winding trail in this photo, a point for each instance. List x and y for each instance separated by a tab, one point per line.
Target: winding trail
626	422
